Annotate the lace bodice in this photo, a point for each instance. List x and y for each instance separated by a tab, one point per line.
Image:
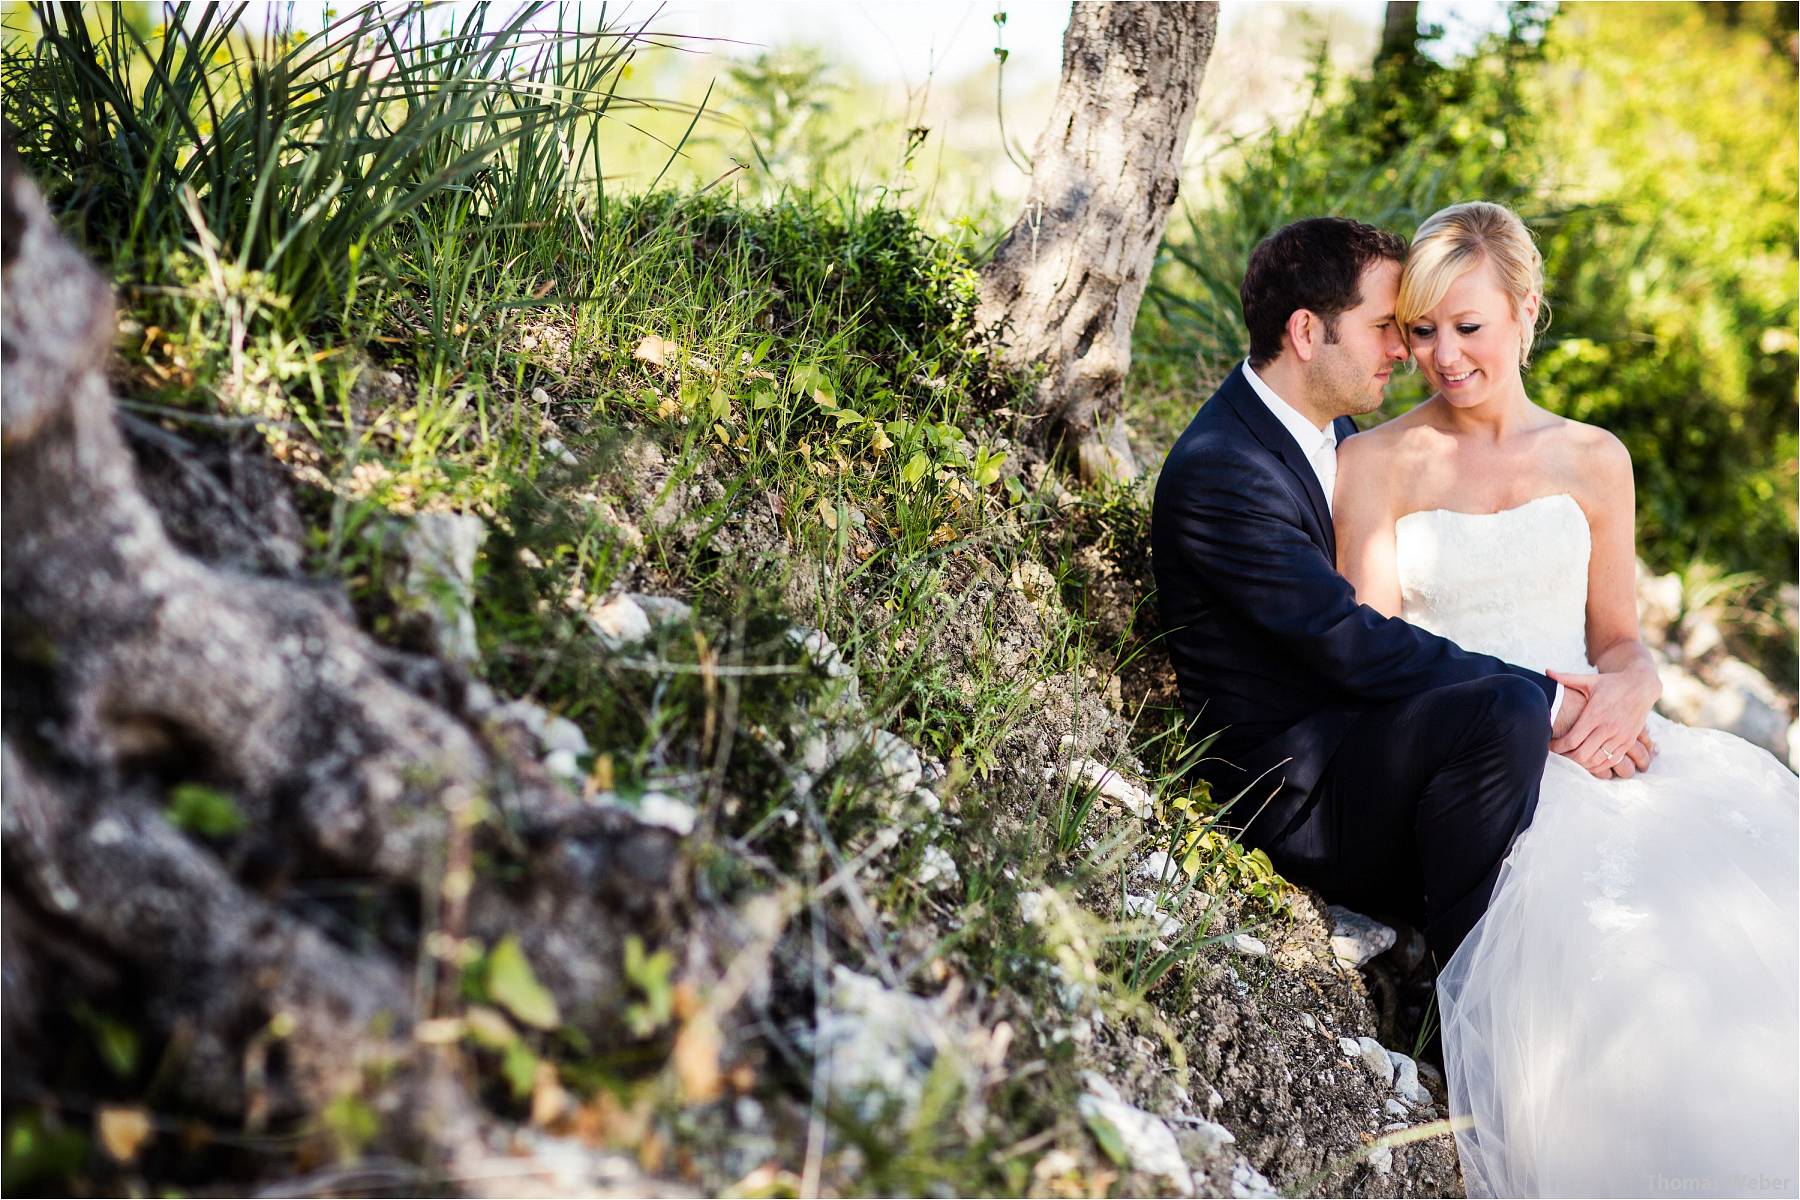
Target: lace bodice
1512	584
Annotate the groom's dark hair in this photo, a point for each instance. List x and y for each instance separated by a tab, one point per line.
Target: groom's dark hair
1315	264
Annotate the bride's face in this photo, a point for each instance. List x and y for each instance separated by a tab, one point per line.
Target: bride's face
1468	346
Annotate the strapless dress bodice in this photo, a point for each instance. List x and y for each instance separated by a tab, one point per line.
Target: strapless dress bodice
1512	583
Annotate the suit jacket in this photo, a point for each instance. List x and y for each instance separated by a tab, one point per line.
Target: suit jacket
1268	641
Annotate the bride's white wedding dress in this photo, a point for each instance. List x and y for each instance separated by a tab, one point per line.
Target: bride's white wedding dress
1625	1018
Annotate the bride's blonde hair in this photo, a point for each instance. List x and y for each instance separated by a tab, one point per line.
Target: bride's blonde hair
1455	240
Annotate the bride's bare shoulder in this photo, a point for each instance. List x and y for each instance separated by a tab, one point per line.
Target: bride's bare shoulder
1390	443
1588	450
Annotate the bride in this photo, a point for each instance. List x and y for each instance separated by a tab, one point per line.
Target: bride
1624	1018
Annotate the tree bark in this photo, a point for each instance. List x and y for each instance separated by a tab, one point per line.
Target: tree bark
133	662
1063	288
1399	32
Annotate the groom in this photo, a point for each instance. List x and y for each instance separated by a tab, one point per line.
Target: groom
1376	762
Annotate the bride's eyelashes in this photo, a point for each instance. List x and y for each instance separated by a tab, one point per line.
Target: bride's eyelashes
1426	331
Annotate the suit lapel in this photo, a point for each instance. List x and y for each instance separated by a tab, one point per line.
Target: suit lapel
1243	400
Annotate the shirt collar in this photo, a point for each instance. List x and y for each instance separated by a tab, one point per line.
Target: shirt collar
1309	437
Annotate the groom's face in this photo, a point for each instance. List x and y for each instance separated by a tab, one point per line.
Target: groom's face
1347	377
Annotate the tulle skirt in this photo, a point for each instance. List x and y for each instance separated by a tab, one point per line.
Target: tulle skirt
1625	1018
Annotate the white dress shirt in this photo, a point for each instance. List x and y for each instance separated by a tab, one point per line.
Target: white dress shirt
1319	445
1320	448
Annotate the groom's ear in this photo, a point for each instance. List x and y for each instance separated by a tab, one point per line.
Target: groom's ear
1305	331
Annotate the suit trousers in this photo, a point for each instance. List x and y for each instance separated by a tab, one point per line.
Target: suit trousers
1422	800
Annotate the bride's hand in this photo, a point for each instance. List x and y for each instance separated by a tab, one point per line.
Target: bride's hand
1608	737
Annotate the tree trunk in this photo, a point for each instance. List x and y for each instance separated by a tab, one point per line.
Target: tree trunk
1063	288
1399	32
132	663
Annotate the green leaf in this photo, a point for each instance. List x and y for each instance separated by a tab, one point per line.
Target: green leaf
915	468
352	1122
203	810
650	974
1107	1134
511	985
519	1065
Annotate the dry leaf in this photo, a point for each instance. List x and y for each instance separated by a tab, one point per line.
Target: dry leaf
438	1031
685	1001
123	1131
489	1026
655	350
696	1060
548	1099
828	513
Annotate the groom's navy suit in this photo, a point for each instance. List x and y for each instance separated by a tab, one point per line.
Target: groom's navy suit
1379	763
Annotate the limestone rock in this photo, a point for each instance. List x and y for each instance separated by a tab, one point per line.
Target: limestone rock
1375	1061
1248	1183
1158	867
880	1045
559	739
619	621
935	864
1149	1144
440	553
1355	939
1245	944
1145	908
1111	785
1406	1079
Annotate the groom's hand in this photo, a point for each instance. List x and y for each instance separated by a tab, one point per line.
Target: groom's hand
1606	736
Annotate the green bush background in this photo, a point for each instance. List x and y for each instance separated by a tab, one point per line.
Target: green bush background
1652	149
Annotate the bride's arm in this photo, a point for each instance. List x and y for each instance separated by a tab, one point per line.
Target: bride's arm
1627	687
1362	512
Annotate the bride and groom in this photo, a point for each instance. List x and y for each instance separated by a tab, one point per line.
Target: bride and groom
1420	649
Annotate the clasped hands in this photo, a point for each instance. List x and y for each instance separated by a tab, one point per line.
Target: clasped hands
1601	726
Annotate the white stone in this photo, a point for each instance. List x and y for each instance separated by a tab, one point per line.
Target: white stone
440	551
559	739
1210	1134
619	621
1111	785
1747	704
665	811
1158	867
1394	1108
1382	1159
663	610
1659	600
1310	1022
1406	1078
1145	908
1243	943
1355	939
1031	907
1214	1101
879	1044
896	762
1375	1060
935	864
1349	1047
1149	1144
1248	1183
554	448
1700	636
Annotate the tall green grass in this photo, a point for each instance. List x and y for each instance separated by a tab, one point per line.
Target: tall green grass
314	156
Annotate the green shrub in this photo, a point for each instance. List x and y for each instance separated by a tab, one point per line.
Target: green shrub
1668	231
